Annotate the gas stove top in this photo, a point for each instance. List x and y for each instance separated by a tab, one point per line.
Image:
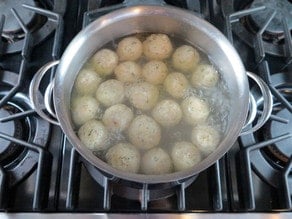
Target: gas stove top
41	172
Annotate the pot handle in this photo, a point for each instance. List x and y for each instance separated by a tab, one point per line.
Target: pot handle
267	106
38	103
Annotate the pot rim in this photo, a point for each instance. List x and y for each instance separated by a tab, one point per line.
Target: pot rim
65	121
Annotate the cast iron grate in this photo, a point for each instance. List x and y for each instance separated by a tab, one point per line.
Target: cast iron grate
271	14
13	93
255	153
45	19
107	186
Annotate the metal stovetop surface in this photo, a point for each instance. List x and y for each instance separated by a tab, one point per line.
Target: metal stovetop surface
147	215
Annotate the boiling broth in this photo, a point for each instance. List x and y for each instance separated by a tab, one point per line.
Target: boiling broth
217	98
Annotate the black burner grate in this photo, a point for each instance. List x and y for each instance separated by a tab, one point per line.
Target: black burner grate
261	151
268	15
45	18
31	169
109	191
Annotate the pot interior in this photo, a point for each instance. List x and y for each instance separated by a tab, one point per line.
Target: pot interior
154	19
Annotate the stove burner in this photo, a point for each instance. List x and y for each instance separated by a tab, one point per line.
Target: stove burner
269	161
158	193
16	159
252	19
9	150
281	150
133	190
281	7
40	18
11	25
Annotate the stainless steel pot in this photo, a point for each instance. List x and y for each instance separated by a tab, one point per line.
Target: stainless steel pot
161	19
